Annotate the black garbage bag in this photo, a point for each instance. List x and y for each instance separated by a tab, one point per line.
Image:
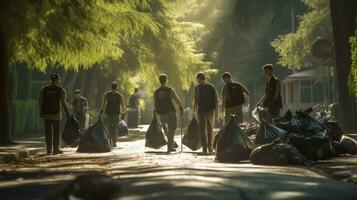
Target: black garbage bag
90	187
302	122
95	139
310	144
267	133
347	145
232	144
192	137
332	126
155	137
277	153
71	131
122	129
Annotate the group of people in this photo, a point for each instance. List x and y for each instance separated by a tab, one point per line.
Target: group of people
165	105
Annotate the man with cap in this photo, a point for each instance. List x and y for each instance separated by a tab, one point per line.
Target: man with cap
206	105
164	99
113	106
50	101
271	101
233	98
80	106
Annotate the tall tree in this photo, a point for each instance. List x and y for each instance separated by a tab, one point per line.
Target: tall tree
343	17
66	33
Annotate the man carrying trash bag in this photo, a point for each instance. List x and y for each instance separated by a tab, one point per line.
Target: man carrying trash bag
113	106
164	99
80	106
271	101
205	104
233	98
50	101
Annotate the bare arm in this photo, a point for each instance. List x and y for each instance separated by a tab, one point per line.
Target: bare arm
122	106
64	102
245	90
176	99
195	100
104	103
216	101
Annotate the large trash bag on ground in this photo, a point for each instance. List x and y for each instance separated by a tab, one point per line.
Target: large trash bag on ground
332	126
302	122
267	133
71	131
277	153
347	145
95	139
192	137
122	129
155	137
232	144
251	129
90	187
310	144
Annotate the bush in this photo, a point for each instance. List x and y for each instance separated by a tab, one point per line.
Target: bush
26	118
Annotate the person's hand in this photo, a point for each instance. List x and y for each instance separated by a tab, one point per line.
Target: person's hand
181	110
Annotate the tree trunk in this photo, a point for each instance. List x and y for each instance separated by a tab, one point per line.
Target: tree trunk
343	15
4	88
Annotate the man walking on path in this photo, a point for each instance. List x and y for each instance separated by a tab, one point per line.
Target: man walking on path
80	106
271	101
206	105
134	101
164	99
233	97
113	106
50	101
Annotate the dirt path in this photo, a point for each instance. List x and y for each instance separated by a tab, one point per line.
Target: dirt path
152	174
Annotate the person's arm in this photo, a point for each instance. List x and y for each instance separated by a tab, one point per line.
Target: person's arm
245	90
64	102
104	104
154	103
40	102
224	99
277	91
177	100
215	101
86	105
195	100
122	106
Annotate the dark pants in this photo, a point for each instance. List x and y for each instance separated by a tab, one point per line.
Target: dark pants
52	134
272	113
169	123
205	120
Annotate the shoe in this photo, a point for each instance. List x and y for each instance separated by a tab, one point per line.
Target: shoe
115	145
171	149
49	152
204	151
57	152
210	150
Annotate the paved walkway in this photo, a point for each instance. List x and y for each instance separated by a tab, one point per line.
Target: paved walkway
152	174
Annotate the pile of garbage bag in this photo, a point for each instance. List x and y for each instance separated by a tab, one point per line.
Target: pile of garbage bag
155	137
95	139
307	134
192	137
331	125
346	145
122	129
277	153
71	132
232	145
267	133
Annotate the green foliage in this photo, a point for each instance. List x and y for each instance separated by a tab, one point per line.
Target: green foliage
26	117
353	74
294	48
72	33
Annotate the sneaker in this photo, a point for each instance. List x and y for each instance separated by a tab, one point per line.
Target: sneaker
49	152
171	149
57	152
204	151
210	150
